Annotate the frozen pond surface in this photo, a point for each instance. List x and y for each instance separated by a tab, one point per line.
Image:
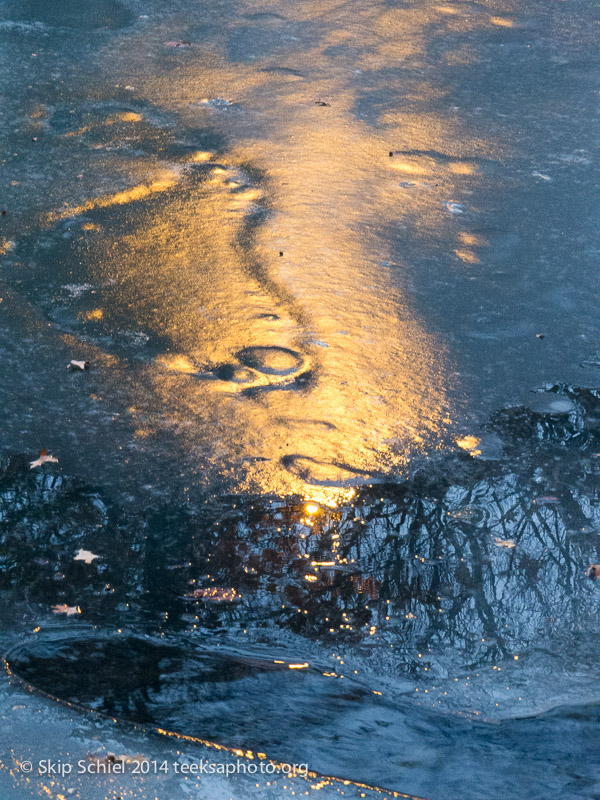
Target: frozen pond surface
328	491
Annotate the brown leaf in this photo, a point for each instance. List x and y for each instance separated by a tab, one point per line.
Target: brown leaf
63	608
85	555
43	459
547	500
78	366
593	571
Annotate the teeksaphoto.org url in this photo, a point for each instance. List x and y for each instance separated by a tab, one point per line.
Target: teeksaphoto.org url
141	766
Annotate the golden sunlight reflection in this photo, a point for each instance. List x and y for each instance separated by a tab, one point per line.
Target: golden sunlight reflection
165	181
123	116
470	444
268	276
472	239
467	256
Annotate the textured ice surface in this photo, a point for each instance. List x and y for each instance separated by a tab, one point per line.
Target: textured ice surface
198	198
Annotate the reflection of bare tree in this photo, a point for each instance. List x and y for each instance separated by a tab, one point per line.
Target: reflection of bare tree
476	559
485	559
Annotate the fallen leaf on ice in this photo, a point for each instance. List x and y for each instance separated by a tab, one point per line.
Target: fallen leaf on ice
43	459
63	608
78	366
593	571
507	543
548	500
85	555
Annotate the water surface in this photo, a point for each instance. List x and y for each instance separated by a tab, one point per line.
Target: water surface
334	462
